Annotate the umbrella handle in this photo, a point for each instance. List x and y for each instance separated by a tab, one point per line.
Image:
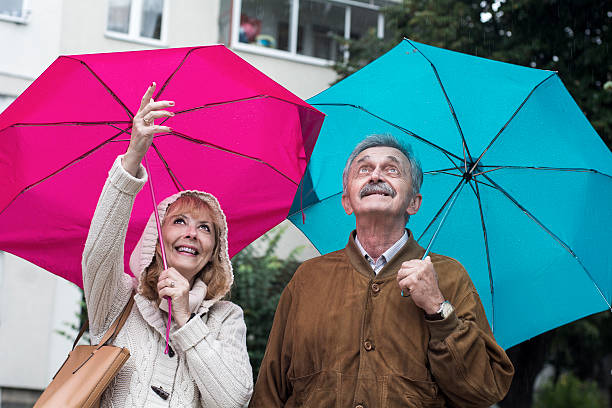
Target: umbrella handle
161	247
435	235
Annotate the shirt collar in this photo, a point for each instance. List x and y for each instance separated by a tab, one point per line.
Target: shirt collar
386	256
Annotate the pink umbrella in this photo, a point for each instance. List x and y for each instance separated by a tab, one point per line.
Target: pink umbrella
236	134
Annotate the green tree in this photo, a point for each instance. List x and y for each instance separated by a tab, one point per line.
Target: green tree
260	277
570	392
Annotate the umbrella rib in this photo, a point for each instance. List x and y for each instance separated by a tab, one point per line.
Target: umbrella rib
450	105
210	105
445	172
70	123
320	201
476	191
223	149
174	72
433	220
119	101
410	133
175	180
246	99
510	120
552	234
567	169
70	163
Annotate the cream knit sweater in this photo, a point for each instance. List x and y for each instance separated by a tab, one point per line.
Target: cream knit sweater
210	365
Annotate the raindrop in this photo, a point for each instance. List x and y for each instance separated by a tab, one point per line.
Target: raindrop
532	64
495	6
598	40
483	4
587	31
502	32
508	33
610	15
555	58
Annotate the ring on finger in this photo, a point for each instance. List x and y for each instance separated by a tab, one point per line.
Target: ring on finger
172	283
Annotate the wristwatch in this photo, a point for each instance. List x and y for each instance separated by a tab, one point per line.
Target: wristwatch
445	310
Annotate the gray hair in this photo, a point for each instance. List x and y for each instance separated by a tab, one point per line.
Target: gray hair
386	140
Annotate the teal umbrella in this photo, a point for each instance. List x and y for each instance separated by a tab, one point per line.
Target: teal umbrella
529	178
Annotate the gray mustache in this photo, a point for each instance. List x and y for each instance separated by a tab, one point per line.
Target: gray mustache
376	188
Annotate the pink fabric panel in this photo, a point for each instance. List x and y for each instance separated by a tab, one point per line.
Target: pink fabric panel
250	154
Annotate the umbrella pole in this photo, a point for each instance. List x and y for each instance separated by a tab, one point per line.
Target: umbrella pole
161	247
448	208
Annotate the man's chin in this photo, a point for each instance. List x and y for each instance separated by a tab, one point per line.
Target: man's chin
376	210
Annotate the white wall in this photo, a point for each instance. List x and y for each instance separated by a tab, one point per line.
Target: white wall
33	305
27	49
304	80
189	23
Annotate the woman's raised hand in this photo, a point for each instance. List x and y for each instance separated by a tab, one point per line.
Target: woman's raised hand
144	128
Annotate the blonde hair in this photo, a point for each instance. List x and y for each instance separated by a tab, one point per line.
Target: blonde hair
218	284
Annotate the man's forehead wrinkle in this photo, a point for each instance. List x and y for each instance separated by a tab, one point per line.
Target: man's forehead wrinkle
389	157
364	158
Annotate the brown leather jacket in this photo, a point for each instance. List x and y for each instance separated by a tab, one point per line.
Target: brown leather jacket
343	337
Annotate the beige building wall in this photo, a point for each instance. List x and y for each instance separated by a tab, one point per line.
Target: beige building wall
27	49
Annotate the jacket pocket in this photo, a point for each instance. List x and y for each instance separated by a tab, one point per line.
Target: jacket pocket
408	392
315	390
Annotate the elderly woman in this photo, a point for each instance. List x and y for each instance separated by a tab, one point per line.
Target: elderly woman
207	363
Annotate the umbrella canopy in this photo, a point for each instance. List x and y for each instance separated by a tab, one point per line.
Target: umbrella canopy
532	223
236	134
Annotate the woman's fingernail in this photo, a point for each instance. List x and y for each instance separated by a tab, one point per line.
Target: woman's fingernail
171	103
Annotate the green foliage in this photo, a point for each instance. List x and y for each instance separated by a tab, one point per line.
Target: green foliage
571	37
259	280
570	392
71	329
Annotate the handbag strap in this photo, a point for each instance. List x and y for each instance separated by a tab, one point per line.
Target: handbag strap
114	329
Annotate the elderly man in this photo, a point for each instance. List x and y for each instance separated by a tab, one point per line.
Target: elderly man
342	334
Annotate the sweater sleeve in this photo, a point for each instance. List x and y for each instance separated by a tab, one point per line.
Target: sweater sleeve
273	388
107	288
219	363
469	366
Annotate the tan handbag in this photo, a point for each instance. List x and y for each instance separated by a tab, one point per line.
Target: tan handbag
88	370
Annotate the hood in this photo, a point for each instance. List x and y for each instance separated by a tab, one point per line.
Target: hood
144	252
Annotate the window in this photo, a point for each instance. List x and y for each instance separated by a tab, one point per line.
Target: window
14	10
140	20
307	30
